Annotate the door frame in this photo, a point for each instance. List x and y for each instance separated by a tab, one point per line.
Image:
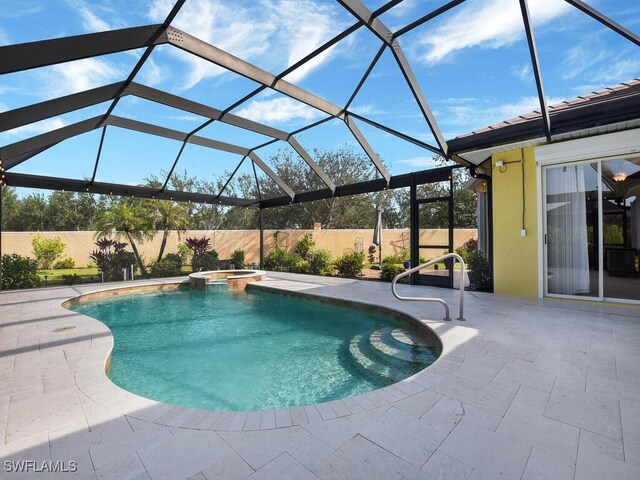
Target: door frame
585	150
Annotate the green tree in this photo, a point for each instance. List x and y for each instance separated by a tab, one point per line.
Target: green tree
47	250
169	216
129	219
10	208
32	213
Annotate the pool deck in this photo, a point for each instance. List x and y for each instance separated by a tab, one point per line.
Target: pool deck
525	389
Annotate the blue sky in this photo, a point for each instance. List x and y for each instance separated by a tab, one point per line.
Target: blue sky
472	63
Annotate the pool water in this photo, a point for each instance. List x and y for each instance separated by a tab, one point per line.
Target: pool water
244	350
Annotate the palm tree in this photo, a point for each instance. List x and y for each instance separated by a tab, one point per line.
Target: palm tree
169	216
134	221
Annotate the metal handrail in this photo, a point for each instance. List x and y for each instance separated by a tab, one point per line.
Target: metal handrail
437	300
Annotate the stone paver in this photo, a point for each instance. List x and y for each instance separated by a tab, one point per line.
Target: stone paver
525	389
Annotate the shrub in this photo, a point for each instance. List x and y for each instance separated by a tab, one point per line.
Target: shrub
71	279
19	272
209	261
392	259
304	246
467	248
390	270
184	252
47	250
350	264
237	258
169	266
372	254
111	258
478	266
64	264
297	264
276	260
320	262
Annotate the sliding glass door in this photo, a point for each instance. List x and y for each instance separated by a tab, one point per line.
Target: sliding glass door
592	229
571	230
621	227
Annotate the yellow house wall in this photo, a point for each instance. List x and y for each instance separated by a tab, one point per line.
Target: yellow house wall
515	257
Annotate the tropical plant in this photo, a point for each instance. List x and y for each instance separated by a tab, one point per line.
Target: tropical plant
350	264
169	266
19	272
169	216
238	259
47	250
131	220
202	258
304	246
111	258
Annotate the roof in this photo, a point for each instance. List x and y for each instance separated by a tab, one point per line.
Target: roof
619	104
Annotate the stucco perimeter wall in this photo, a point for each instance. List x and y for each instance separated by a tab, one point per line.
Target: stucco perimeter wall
81	244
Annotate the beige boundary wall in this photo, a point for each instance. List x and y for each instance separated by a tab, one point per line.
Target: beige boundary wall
81	244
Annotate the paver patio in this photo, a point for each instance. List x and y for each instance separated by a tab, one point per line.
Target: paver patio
525	389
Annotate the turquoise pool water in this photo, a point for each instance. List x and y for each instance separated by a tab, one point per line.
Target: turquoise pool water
242	350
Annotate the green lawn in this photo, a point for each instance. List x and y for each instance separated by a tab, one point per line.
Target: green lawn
55	277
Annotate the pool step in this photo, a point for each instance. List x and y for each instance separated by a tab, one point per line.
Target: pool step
362	358
400	345
391	353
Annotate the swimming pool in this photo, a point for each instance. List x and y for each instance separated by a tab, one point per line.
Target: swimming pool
253	350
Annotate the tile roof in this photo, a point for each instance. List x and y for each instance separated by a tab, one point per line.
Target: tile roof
575	107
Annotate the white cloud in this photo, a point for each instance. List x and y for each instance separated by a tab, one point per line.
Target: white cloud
600	65
302	26
486	23
90	20
619	71
421	162
36	128
403	9
366	109
151	73
523	72
278	110
79	75
233	29
580	59
274	35
4	37
468	115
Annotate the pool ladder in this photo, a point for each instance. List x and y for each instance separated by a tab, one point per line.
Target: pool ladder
437	300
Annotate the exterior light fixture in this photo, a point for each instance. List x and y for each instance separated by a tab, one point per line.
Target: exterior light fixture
620	177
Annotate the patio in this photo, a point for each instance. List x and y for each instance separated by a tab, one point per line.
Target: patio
524	389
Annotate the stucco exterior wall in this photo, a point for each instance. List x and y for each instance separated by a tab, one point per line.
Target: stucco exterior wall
515	256
81	244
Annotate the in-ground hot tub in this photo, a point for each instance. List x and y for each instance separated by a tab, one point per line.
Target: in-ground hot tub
235	279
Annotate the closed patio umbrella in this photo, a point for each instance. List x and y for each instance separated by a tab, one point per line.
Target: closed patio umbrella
377	233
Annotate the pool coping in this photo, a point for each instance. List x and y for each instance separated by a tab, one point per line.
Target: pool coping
92	380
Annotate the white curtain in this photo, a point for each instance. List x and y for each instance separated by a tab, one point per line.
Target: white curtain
567	241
